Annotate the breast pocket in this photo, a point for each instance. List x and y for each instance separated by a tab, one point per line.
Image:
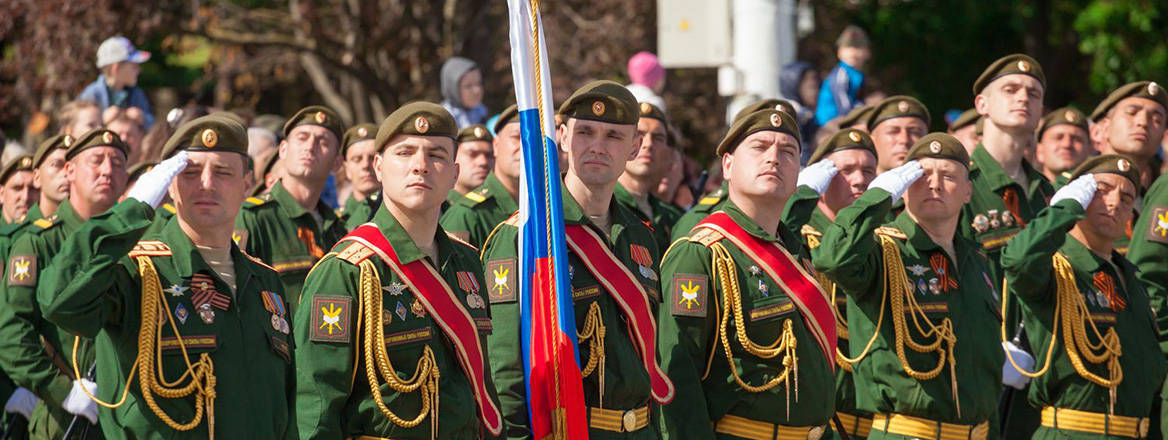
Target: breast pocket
765	318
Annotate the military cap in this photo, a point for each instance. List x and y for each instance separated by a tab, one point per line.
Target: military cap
137	170
418	119
48	145
1142	89
214	132
19	163
896	107
941	146
762	120
846	139
99	137
1065	115
316	115
782	105
261	170
858	115
358	133
967	118
602	101
477	132
1110	163
509	114
1009	65
648	110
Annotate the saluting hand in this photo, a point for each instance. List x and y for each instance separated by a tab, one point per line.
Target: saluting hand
1081	190
78	402
151	187
818	175
21	402
897	180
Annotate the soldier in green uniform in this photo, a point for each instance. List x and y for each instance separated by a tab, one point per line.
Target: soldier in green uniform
473	216
290	227
857	118
391	342
49	162
17	192
192	336
842	167
36	352
1131	121
896	124
475	159
1148	252
612	259
964	128
634	188
745	325
16	182
921	302
1064	143
358	150
1102	369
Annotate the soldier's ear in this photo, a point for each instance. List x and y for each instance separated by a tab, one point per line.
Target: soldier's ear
982	105
727	165
377	166
283	149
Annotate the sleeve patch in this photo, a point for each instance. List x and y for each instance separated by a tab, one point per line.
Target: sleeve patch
689	295
330	318
22	270
501	275
1158	226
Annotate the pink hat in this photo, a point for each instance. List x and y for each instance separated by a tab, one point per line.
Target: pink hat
644	69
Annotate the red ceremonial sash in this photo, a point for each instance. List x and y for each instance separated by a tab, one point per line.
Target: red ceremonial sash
630	295
800	286
446	309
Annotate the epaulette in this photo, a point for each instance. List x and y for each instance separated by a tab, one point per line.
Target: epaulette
474	197
169	208
705	236
46	223
257	200
513	220
11	228
257	260
891	232
455	239
150	248
355	253
810	230
711	199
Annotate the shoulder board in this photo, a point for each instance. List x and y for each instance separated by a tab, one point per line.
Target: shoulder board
257	260
705	236
170	208
1067	175
891	232
149	248
455	239
339	212
257	200
45	223
513	220
810	230
475	196
355	253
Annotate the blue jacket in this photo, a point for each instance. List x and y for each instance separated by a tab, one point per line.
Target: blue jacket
99	93
839	92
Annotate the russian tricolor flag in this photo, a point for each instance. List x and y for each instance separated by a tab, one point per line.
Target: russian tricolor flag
551	361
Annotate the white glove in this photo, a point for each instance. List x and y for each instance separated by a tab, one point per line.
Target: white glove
818	176
77	403
151	187
896	180
22	402
1081	190
1011	376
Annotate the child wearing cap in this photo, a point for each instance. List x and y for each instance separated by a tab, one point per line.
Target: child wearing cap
117	85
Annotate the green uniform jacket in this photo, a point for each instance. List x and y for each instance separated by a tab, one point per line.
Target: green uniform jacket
626	383
851	256
94	288
1030	277
358	212
695	359
274	228
1149	252
333	399
8	234
451	198
22	325
706	205
477	213
662	220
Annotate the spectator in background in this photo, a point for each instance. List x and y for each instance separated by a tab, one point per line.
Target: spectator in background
462	91
131	132
799	84
965	129
841	88
117	86
647	78
78	117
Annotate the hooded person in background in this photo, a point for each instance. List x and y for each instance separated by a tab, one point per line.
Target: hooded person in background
462	91
799	83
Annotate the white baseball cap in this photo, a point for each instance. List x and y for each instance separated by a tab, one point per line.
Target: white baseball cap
118	49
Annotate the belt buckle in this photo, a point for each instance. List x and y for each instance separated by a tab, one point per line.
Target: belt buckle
629	419
1142	427
815	432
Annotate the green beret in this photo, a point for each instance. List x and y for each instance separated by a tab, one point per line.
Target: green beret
1110	163
48	145
477	132
1065	115
602	101
418	118
941	146
137	170
19	163
648	110
782	105
762	120
316	115
509	114
358	133
1143	89
846	139
896	107
98	137
261	170
214	132
858	115
967	118
1009	65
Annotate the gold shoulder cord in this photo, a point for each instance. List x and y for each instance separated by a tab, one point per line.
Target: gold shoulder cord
200	375
841	323
1071	309
593	333
377	360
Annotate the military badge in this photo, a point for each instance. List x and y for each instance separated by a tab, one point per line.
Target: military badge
763	289
754	270
917	270
22	270
981	223
644	260
922	286
395	288
690	293
1158	227
206	313
1007	218
203	291
502	272
176	290
995	221
386	317
330	318
400	310
598	108
181	313
934	286
417	309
